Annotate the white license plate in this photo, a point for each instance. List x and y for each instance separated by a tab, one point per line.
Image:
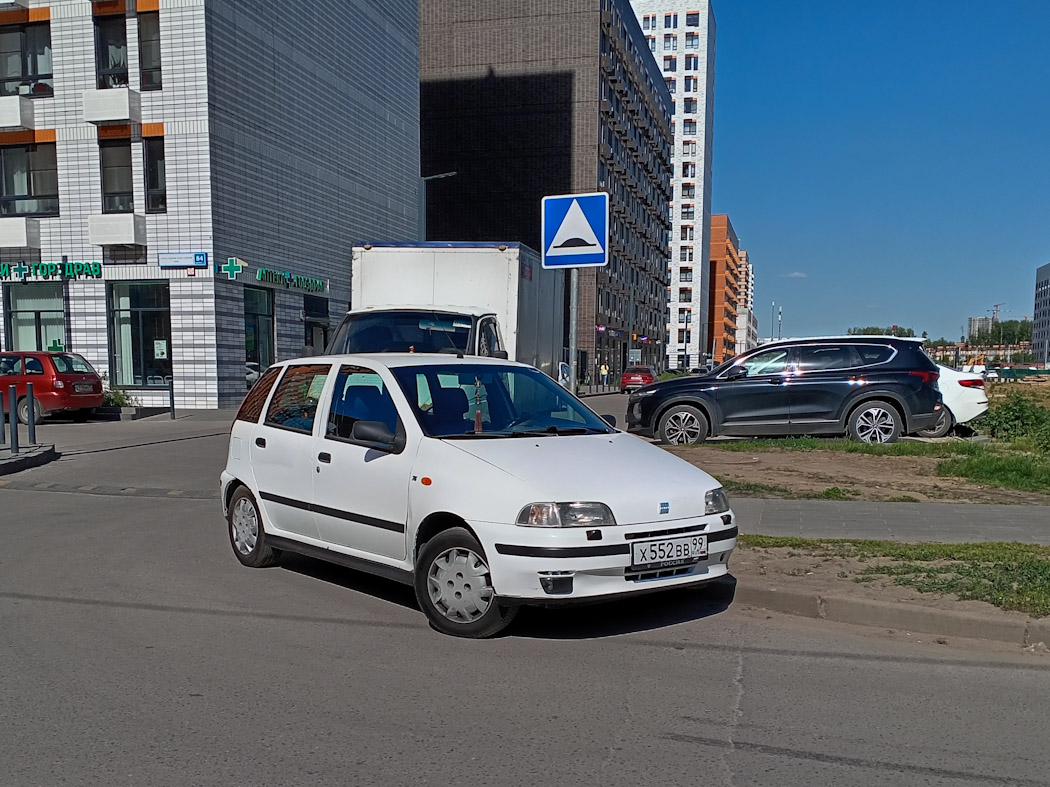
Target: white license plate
83	387
666	552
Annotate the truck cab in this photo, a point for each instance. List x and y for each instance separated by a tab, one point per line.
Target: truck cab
420	329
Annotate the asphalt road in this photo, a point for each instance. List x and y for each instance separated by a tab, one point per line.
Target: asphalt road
134	650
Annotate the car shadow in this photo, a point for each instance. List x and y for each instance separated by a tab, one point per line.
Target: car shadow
359	581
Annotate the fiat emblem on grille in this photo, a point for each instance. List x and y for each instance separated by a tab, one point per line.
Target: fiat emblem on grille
665	508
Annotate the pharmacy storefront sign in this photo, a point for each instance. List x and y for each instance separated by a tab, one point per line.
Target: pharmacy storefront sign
291	280
49	271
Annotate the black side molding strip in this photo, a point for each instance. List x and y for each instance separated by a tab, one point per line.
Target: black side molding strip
331	556
724	535
598	551
361	519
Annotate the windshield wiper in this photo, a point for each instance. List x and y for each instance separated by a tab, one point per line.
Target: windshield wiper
558	430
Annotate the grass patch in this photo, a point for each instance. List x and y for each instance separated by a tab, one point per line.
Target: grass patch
905	448
1027	473
1010	576
836	493
750	489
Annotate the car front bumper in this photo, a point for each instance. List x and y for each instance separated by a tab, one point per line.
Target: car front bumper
558	566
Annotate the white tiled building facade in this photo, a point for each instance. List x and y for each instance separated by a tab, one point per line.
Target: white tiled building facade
681	35
189	132
746	321
1041	316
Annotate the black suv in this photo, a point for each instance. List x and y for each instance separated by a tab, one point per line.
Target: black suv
874	388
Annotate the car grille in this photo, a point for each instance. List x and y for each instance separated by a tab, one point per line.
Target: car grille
642	576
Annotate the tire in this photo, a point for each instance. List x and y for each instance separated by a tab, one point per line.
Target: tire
875	422
683	424
247	536
23	410
454	588
943	426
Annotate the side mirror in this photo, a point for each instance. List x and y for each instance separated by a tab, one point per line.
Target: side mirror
377	434
610	419
502	355
736	373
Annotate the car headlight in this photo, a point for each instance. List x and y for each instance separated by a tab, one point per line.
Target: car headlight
716	502
566	515
643	392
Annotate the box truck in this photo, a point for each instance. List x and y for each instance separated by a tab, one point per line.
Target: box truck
491	299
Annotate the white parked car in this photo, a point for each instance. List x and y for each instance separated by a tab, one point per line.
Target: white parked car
964	398
481	482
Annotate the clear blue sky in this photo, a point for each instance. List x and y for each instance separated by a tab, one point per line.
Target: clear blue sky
885	162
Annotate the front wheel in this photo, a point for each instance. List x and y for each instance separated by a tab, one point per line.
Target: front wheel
875	422
683	424
941	428
247	536
454	587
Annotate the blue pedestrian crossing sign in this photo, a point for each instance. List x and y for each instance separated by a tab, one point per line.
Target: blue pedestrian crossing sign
575	229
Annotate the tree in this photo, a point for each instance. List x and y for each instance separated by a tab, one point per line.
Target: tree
875	330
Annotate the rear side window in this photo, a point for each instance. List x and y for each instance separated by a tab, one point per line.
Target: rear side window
294	402
873	353
71	364
252	406
823	357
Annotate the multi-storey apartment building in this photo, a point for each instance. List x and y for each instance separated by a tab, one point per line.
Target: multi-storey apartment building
681	35
1041	315
725	289
528	98
976	325
746	321
182	180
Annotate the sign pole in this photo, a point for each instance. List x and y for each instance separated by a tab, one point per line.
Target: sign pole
574	308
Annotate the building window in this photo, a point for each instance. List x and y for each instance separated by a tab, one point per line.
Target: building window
692	84
25	61
652	42
669	81
688	212
692	62
35	317
689	148
690	106
684	336
688	169
688	190
685	317
111	51
140	338
685	294
692	40
149	50
670	43
156	182
687	232
685	254
671	20
29	180
258	332
670	64
689	128
692	19
645	23
118	191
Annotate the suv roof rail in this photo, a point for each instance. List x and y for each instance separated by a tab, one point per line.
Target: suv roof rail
841	337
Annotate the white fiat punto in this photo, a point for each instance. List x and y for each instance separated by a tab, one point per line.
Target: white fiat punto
481	482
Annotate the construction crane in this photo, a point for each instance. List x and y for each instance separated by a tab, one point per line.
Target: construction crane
995	311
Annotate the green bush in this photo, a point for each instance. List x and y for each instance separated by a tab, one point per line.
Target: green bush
1019	416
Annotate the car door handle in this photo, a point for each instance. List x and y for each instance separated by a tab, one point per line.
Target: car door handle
325	457
261	442
778	381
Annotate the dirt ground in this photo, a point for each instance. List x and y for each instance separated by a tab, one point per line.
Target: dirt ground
876	478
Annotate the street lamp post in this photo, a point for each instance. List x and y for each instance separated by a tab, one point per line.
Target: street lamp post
772	314
423	200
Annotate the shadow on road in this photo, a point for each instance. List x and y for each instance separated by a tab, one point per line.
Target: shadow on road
646	612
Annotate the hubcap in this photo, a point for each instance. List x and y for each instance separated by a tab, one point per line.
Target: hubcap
876	426
244	525
682	429
459	587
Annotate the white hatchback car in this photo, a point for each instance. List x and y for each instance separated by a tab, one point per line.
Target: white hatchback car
481	482
964	397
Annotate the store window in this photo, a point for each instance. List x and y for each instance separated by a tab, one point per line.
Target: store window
156	179
315	318
35	318
25	61
111	51
258	333
29	180
149	50
118	189
140	334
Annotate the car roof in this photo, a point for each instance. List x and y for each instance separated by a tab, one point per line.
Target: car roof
858	338
397	360
474	311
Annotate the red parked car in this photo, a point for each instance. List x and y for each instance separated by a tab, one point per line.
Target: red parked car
636	377
62	382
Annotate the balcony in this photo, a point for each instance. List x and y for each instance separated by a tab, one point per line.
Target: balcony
16	112
118	105
117	229
19	233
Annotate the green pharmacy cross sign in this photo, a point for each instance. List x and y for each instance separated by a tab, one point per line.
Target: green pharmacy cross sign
232	268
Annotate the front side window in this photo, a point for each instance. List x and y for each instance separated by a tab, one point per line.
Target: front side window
118	190
294	403
149	50
30	180
111	51
35	317
466	400
156	180
488	338
768	362
10	365
140	334
359	395
25	61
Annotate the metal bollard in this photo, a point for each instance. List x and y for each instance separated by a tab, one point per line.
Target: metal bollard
12	400
3	417
171	396
32	413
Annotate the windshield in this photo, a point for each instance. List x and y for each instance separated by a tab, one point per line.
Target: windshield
403	331
487	400
70	364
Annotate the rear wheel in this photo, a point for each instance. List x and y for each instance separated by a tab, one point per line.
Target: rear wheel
683	424
25	411
875	422
941	428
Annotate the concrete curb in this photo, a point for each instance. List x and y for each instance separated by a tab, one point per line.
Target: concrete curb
1004	627
28	456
